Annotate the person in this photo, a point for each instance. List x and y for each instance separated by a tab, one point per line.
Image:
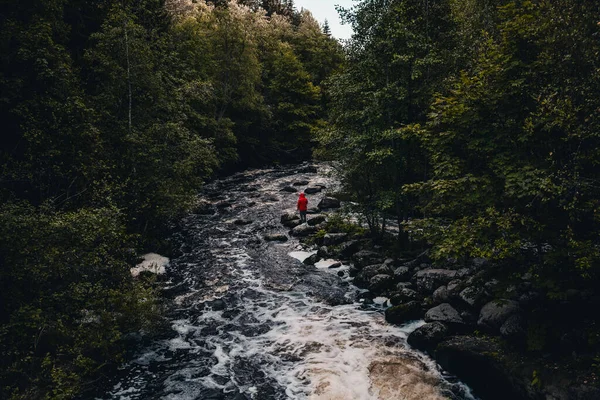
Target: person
302	207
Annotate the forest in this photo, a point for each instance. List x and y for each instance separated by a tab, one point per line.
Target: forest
114	114
473	125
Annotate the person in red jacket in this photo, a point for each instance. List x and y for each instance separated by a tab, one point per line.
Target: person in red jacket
302	207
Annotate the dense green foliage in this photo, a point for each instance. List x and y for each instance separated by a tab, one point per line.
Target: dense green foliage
114	113
475	124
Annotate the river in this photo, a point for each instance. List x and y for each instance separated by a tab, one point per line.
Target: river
249	321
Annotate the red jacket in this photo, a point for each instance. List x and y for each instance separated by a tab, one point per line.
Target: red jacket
302	202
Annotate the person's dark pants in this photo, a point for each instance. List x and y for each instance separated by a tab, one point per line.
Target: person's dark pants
302	216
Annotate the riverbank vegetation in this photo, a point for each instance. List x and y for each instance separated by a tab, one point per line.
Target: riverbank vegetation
475	125
114	113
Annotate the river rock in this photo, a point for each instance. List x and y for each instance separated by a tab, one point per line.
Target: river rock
203	207
242	221
477	362
303	230
513	328
276	237
316	220
366	257
348	248
495	313
430	279
334	238
328	202
380	283
223	204
444	313
455	287
313	210
335	265
426	337
311	260
368	272
312	190
441	295
473	296
404	295
300	183
403	312
402	274
289	189
323	252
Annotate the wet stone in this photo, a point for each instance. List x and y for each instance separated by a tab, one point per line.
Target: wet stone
312	190
276	237
289	189
301	183
328	202
316	220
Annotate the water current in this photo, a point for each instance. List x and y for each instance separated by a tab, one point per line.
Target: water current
249	321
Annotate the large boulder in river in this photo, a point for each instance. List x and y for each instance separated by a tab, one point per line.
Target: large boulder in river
474	296
303	230
428	336
289	189
365	257
444	313
301	182
430	279
348	248
291	220
493	315
312	259
312	190
316	220
364	276
404	295
380	283
328	202
403	312
402	274
441	295
334	238
276	237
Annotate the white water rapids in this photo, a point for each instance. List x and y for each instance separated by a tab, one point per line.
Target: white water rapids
249	321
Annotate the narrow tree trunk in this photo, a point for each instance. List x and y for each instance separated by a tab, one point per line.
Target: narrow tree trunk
128	76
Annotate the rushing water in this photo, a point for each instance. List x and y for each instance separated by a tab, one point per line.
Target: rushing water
250	321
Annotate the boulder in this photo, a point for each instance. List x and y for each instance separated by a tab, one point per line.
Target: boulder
323	252
203	207
289	189
223	204
368	272
495	313
348	248
335	265
380	283
366	257
242	221
426	337
441	295
313	210
430	279
444	313
303	230
300	183
402	273
455	287
276	237
312	190
404	295
334	238
328	202
311	260
477	362
403	312
513	328
473	296
316	220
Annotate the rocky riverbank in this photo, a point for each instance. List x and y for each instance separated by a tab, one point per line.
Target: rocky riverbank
477	326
